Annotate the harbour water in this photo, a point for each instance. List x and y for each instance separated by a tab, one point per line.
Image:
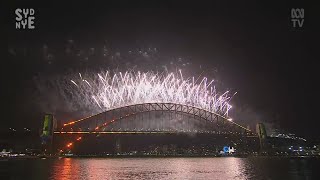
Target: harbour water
258	168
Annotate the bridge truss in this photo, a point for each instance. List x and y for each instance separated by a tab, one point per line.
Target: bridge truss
155	118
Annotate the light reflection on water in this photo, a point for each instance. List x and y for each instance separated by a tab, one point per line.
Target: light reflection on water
151	168
162	168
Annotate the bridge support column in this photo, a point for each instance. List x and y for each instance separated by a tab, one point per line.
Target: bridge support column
118	146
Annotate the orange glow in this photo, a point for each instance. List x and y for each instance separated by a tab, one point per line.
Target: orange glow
69	145
97	128
66	124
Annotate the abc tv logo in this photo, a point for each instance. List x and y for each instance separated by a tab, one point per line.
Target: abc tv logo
297	17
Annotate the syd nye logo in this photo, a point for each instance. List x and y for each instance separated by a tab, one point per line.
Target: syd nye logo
25	18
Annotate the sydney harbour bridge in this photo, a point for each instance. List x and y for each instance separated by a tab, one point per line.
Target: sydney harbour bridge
150	119
146	104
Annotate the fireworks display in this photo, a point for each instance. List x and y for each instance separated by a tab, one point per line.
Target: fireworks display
104	91
88	93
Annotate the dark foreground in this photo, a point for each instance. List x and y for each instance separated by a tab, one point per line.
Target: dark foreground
162	168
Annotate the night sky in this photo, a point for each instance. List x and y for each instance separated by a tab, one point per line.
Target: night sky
253	46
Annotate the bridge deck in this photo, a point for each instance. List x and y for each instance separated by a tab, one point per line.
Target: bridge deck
147	132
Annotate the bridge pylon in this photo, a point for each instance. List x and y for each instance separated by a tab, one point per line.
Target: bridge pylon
262	134
48	127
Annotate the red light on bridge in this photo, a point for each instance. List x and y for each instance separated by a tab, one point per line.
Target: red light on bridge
97	128
69	145
79	138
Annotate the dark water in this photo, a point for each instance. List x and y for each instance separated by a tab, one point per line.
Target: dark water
162	168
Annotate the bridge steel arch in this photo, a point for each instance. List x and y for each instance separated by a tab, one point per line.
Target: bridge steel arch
96	122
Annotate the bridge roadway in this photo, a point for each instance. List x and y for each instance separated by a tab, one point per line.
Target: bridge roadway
149	132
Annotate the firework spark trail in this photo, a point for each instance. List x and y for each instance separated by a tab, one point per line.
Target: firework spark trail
103	91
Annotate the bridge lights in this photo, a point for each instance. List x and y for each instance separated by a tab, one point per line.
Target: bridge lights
66	124
79	138
69	145
230	119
